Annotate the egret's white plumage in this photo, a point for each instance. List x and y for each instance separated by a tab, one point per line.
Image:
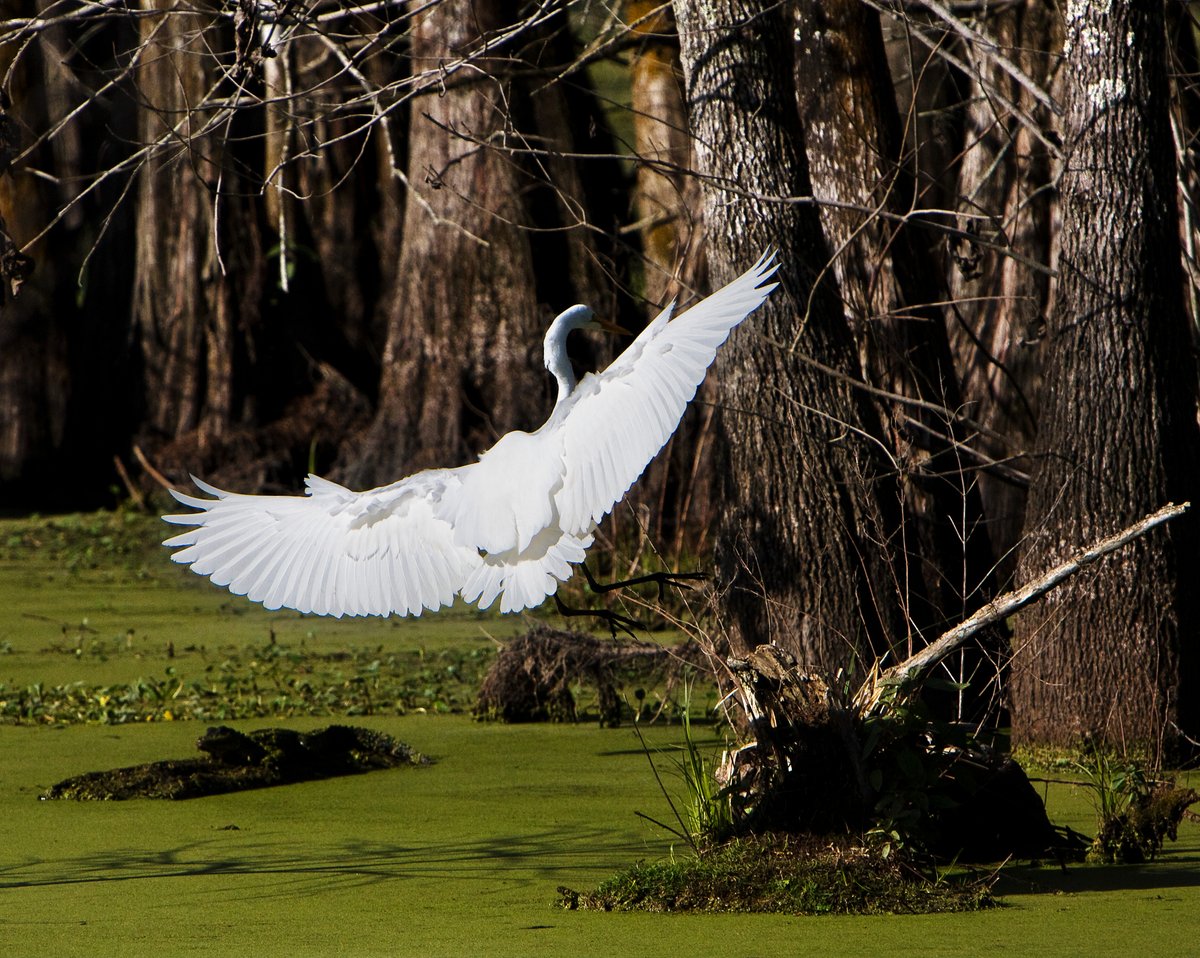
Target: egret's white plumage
509	526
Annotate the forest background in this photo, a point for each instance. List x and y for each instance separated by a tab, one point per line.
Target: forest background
249	239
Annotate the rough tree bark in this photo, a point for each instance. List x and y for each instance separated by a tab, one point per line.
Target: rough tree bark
1001	302
64	372
798	553
894	302
491	192
198	273
1111	653
892	299
459	366
34	380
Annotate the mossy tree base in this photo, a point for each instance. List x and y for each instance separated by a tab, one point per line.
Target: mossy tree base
779	873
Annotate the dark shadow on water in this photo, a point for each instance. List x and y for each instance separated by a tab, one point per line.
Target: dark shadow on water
705	743
1174	872
305	865
553	854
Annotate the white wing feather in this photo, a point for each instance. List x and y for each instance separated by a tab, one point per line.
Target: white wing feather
624	415
509	526
331	552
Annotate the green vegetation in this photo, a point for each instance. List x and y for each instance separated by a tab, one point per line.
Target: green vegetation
101	627
461	859
259	681
1136	811
780	874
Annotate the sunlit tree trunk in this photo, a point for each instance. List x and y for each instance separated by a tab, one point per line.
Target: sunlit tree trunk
666	199
462	361
668	215
1112	653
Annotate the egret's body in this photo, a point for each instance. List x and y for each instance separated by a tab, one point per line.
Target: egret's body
509	526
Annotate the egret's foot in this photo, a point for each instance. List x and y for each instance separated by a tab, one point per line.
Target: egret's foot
662	579
614	619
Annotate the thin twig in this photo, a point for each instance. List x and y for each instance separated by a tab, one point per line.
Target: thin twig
150	470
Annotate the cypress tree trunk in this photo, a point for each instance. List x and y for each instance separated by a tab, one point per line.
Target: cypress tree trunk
892	298
199	269
798	550
666	200
462	316
34	380
668	211
894	301
1111	653
1000	303
492	191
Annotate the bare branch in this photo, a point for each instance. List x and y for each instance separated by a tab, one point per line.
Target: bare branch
909	673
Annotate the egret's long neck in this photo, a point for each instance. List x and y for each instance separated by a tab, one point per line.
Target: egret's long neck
555	348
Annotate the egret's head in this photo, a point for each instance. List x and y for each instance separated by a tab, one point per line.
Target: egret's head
555	346
577	317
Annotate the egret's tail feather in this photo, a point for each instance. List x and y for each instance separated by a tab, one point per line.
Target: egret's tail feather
522	581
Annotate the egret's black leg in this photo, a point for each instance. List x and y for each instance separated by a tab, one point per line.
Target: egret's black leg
677	579
614	619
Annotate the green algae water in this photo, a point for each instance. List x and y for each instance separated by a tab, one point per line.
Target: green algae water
460	858
464	858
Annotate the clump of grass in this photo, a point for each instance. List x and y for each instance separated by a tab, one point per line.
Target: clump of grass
1136	810
707	814
775	873
701	809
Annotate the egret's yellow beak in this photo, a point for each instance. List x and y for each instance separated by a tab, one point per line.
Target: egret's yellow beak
608	326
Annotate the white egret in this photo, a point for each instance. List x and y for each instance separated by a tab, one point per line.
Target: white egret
509	526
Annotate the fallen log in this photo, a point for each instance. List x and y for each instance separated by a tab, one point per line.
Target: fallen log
911	672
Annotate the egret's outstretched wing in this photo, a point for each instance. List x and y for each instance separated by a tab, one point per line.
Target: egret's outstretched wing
332	552
509	526
622	417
